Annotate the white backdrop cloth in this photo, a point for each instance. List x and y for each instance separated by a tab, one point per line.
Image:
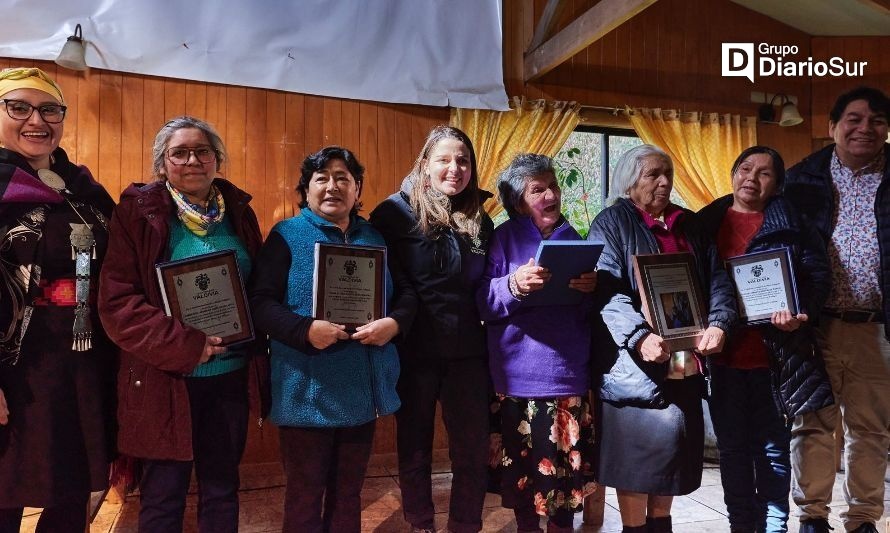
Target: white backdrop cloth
434	52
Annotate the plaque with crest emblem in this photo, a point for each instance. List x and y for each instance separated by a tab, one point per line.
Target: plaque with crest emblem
348	284
764	283
207	292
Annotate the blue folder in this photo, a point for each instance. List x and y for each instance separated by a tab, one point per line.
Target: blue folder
566	260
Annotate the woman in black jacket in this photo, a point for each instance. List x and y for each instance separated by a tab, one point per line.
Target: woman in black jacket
436	233
650	430
767	374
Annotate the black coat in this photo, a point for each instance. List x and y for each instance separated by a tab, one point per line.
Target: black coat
445	272
625	376
800	383
808	186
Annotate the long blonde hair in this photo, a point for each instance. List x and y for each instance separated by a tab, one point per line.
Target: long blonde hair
434	209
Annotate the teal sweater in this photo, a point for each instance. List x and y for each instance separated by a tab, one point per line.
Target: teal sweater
348	383
183	244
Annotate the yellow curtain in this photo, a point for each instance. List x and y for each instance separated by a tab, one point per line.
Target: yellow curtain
535	126
703	147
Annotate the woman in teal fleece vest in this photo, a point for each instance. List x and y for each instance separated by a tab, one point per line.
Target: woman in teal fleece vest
328	386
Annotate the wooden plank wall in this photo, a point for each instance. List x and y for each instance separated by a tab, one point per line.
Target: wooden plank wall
826	90
113	118
668	56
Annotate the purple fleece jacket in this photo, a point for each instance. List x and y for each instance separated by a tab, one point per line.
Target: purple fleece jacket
535	351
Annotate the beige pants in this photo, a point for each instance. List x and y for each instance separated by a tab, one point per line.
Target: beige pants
857	357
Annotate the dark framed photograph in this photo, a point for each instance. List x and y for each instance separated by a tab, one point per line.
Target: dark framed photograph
764	283
671	298
348	284
207	293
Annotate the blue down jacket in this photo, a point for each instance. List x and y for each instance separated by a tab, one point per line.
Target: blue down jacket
622	375
799	381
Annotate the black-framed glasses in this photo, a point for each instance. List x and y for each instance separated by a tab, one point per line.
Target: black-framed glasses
180	155
50	113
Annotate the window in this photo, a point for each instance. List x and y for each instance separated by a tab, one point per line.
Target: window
589	155
583	166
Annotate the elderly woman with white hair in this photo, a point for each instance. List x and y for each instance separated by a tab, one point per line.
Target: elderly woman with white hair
538	354
650	431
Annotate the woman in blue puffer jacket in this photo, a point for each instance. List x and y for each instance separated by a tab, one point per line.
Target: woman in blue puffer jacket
768	373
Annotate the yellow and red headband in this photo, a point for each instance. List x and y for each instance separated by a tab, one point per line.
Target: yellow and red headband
28	78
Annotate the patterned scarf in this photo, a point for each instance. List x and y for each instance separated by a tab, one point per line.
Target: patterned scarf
194	217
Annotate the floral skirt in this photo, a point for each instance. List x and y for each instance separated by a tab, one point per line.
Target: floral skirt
546	462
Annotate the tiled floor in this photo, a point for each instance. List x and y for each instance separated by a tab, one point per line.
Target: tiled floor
262	495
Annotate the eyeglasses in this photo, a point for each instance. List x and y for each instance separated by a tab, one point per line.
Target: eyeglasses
181	155
50	113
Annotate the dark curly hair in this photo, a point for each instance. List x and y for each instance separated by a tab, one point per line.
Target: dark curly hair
319	160
877	102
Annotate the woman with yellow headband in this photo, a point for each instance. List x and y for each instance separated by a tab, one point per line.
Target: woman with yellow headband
56	364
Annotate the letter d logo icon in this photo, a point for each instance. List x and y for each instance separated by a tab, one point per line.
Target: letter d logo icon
738	60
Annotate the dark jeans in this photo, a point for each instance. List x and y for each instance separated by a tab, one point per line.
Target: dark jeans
324	465
461	386
219	432
754	444
63	518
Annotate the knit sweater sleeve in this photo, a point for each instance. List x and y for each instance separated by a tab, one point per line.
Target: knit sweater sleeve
493	298
268	296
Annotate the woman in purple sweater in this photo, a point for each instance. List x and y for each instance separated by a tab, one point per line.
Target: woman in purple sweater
538	355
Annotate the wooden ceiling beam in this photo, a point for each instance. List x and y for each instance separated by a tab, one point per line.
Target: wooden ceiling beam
549	18
880	5
592	25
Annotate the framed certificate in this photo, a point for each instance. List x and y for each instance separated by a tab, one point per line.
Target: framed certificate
764	284
671	298
207	293
348	284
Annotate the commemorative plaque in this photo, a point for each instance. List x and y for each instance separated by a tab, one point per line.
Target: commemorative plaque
206	292
671	298
348	284
764	283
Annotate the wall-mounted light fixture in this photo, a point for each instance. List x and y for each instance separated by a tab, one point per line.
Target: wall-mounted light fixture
788	114
73	53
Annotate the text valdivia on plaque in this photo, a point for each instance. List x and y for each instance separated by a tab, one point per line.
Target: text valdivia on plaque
206	294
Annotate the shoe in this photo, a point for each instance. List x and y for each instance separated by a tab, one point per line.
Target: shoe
815	525
660	524
865	527
634	529
553	528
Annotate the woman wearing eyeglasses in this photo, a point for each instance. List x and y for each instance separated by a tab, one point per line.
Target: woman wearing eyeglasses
183	398
56	364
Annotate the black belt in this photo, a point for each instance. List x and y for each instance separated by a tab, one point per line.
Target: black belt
855	316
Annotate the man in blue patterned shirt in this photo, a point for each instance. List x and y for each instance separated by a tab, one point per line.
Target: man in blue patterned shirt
844	190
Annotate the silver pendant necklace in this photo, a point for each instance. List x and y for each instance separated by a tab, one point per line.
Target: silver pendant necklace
83	249
51	179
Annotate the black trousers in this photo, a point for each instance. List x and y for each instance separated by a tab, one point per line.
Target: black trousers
461	386
63	518
219	432
325	469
